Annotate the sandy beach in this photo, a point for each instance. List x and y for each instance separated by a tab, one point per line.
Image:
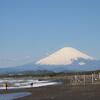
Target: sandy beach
61	92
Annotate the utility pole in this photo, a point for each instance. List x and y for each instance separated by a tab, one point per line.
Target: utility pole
84	79
99	75
75	79
92	78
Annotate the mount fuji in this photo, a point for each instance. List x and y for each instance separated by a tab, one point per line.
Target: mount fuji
64	56
67	59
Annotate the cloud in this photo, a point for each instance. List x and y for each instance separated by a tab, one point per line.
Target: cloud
6	62
28	57
8	59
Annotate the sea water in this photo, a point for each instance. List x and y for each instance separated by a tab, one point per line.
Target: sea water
17	84
13	96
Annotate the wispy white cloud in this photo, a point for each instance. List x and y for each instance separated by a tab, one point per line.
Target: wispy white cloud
6	62
28	57
8	59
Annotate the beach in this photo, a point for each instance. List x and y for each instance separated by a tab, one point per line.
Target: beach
60	92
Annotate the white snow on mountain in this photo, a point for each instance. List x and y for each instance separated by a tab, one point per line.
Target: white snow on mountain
82	63
64	56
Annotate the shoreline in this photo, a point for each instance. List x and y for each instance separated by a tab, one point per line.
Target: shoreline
61	92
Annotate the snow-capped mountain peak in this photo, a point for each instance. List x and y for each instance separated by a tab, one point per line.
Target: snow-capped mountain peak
64	56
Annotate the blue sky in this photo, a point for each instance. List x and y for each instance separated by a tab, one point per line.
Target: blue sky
32	29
